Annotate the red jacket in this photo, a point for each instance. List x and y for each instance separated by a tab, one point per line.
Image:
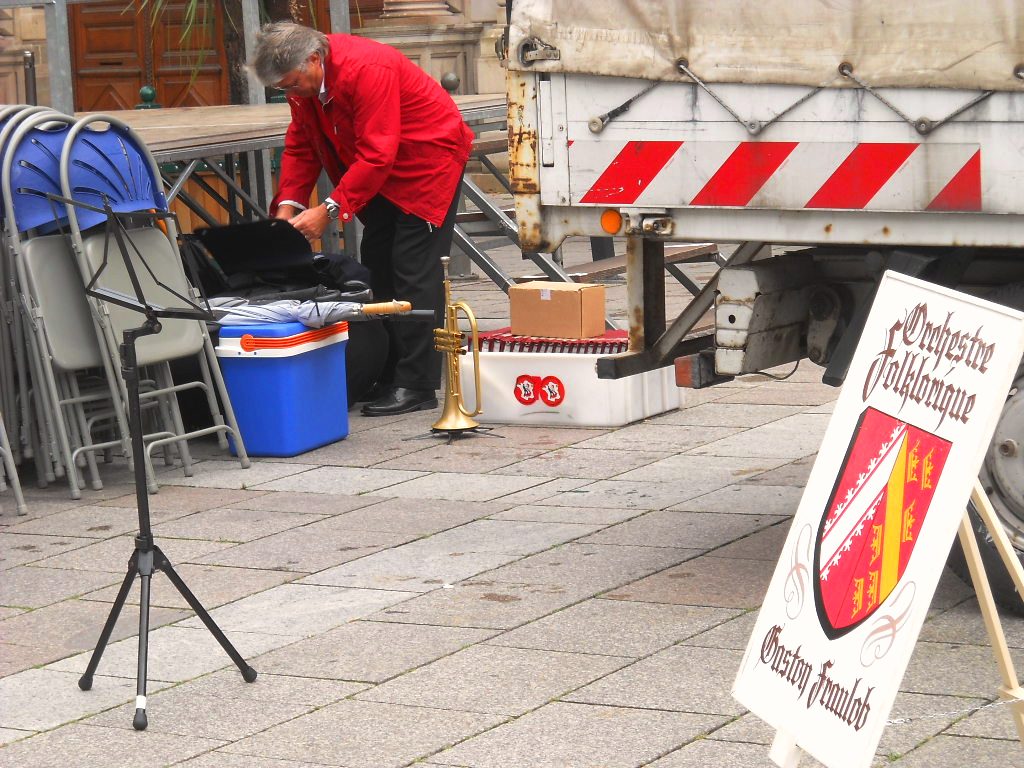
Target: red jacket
393	128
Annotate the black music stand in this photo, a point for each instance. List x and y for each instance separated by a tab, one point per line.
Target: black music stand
147	555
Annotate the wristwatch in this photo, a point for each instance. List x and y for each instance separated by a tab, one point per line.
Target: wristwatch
333	209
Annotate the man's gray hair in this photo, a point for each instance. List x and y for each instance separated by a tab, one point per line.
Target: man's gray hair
282	47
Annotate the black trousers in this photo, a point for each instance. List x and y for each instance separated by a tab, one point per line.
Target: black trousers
403	253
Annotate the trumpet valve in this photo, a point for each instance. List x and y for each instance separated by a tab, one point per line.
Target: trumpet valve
448	341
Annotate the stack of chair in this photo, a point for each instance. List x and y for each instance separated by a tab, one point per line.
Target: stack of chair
58	176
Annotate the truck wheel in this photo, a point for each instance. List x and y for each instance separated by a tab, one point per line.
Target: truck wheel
1002	477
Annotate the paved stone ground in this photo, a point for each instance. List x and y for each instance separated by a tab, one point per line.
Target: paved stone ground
563	597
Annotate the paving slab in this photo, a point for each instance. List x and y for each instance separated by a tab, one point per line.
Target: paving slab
928	715
547	438
654	436
188	713
303	503
701	474
747	499
484	454
794	473
564	735
89	746
994	721
680	679
40	699
494	679
113	554
415	567
417	517
958	670
706	580
765	544
30	586
7	735
216	473
790	438
599	626
353	651
17	658
227	684
74	625
703	753
582	462
175	654
307	549
219	759
20	548
685	530
963	624
591	567
214	585
231	524
90	522
364	733
186	499
785	393
494	605
457	486
542	491
362	448
956	752
733	634
300	609
540	513
719	414
341	480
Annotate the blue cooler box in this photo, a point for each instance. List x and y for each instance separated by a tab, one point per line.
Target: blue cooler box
287	385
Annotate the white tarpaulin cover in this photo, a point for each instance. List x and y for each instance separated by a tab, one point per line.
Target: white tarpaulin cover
971	44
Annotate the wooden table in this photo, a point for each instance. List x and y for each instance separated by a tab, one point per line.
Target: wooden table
229	142
185	133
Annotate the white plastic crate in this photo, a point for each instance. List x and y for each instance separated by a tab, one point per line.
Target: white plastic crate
558	388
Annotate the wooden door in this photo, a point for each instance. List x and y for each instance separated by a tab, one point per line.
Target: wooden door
114	52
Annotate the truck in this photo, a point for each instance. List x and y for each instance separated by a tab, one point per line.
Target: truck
831	139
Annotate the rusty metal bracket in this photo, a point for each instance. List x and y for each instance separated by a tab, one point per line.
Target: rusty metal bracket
533	49
673	342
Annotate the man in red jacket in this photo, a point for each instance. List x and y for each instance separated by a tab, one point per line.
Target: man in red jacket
395	145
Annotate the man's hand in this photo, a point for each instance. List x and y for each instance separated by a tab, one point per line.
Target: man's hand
285	212
312	222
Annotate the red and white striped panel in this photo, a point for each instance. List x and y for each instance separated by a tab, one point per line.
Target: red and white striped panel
767	174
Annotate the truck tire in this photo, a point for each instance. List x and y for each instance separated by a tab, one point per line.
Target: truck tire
1002	477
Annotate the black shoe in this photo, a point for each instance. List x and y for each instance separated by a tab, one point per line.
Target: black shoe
401	400
376	392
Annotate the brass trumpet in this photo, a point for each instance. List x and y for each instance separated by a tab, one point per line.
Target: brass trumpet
456	418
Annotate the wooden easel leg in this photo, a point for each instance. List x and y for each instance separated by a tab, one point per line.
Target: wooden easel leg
1011	685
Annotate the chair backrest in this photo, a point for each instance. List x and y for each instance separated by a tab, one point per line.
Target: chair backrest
157	263
10	116
35	173
59	295
110	164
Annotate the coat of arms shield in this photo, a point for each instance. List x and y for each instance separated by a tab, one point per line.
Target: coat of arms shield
871	523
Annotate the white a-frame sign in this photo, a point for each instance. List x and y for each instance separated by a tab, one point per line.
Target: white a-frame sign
877	519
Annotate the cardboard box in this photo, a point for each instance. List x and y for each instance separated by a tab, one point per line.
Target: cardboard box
557	310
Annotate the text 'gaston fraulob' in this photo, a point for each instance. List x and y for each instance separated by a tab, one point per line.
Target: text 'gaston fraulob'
824	692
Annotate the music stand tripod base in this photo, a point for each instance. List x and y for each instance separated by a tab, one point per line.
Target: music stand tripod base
147	557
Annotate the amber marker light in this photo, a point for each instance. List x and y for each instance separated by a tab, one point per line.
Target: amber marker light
611	221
